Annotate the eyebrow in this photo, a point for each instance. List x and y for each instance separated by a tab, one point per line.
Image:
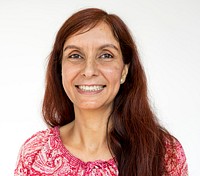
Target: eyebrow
71	47
101	47
109	46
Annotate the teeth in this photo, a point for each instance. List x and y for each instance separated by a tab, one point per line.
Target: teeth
90	88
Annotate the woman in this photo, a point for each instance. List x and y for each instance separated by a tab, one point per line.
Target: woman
97	108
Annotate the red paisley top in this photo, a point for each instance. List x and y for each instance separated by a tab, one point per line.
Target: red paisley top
44	154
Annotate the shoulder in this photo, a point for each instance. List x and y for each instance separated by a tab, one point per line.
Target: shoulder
38	140
33	145
175	159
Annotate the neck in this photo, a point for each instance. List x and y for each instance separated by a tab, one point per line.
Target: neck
90	128
86	135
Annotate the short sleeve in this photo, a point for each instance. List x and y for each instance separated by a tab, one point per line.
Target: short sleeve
175	159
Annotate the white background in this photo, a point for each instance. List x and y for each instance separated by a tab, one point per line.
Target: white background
168	37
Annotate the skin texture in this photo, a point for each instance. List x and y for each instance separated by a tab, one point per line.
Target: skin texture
91	60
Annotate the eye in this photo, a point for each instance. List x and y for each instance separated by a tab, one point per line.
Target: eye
106	55
75	56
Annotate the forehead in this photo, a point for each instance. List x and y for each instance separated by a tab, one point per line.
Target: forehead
100	33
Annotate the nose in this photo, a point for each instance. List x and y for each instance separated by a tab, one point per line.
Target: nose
90	68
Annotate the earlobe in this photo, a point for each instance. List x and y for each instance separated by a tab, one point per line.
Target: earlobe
124	73
121	81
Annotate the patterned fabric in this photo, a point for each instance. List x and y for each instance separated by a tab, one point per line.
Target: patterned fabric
44	154
175	159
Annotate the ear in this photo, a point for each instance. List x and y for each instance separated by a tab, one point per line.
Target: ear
124	73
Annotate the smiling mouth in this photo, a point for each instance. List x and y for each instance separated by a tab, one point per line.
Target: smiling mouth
90	88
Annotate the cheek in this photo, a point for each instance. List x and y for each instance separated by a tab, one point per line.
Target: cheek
113	73
68	72
68	75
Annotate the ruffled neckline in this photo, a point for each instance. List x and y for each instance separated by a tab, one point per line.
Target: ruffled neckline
75	160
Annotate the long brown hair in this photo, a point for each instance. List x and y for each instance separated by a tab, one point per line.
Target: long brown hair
136	138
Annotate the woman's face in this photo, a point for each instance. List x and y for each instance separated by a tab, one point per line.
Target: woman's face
92	68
